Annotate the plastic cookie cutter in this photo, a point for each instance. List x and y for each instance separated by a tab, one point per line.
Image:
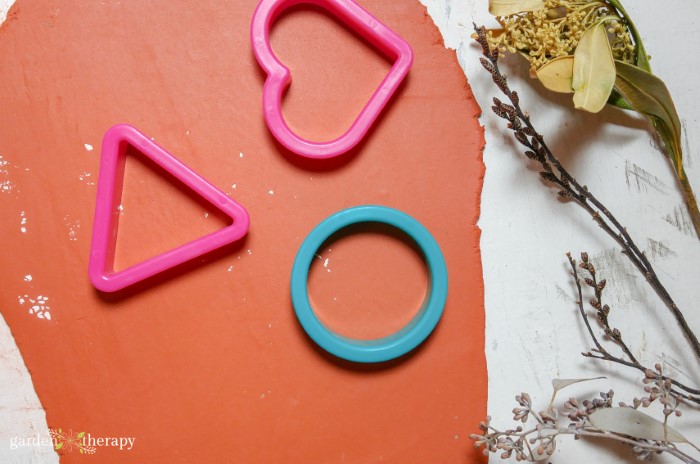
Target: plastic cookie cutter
398	343
104	231
279	77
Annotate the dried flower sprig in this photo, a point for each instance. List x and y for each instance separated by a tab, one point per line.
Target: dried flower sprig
569	188
676	388
545	30
592	49
593	418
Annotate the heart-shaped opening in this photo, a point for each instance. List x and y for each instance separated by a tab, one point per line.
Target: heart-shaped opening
328	90
279	77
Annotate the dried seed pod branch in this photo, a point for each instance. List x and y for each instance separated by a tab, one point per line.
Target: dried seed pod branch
570	188
602	312
535	437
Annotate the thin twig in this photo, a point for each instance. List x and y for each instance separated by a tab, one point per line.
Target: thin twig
607	356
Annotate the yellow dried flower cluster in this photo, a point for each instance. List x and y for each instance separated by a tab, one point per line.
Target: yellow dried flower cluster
556	29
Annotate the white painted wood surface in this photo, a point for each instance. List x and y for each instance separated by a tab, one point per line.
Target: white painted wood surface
21	413
533	332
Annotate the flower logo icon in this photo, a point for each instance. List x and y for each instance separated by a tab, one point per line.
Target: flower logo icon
70	440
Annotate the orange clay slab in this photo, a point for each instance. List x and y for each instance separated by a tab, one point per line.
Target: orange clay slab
206	362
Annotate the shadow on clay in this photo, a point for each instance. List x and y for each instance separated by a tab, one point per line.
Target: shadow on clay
361	367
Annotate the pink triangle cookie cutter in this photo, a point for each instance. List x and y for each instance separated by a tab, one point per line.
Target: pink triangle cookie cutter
279	76
104	231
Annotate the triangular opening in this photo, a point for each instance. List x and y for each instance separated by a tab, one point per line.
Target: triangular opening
164	247
157	212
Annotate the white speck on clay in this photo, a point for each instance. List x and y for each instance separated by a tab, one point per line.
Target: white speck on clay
87	178
456	436
262	396
23	222
73	228
6	184
28	278
249	251
88	147
271	192
120	208
230	268
325	264
240	155
187	132
38	306
206	214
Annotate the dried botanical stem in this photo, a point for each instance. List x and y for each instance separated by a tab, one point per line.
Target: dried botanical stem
554	172
690	201
602	309
607	356
499	440
662	448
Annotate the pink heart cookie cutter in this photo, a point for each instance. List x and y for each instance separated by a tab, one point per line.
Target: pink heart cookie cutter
104	231
279	77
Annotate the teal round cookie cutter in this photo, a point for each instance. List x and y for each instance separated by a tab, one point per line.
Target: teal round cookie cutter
398	343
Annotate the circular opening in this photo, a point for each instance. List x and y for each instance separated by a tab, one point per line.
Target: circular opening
367	281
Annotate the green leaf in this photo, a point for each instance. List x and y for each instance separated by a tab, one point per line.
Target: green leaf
628	421
648	95
511	7
618	100
59	446
639	51
557	74
594	70
81	434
